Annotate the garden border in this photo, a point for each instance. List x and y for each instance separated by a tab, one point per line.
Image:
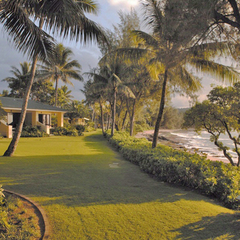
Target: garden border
40	212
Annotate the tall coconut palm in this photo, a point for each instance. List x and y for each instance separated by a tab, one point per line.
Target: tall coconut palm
61	67
66	18
174	42
19	81
110	79
65	96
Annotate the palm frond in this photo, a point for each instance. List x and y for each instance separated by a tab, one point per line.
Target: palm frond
182	78
71	64
154	15
88	6
66	18
27	37
148	39
220	71
126	91
210	49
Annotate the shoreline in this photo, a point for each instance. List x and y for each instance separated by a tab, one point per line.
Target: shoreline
166	138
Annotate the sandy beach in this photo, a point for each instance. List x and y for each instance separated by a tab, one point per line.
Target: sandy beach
166	138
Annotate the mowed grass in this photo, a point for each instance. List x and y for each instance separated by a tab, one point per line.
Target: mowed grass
90	192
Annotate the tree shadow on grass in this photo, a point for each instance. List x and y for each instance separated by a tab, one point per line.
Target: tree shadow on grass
209	228
99	177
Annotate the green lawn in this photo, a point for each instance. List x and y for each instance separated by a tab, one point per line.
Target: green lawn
90	192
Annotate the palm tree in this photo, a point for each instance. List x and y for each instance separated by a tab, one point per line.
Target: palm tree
66	18
174	42
65	96
61	67
18	83
110	80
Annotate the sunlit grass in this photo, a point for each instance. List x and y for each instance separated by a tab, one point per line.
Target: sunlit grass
90	192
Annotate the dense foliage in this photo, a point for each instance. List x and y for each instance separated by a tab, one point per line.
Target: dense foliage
214	179
69	130
29	131
16	222
219	115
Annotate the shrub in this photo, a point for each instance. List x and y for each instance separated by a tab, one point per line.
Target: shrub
80	129
215	179
29	131
68	131
62	131
16	221
1	196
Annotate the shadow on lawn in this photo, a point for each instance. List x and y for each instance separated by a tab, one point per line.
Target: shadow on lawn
87	179
209	228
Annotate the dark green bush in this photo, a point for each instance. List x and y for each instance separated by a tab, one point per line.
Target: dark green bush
29	131
215	179
80	129
62	131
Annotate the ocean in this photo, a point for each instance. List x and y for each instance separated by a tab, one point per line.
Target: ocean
192	141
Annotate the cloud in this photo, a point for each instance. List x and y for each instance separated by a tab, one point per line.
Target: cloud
127	3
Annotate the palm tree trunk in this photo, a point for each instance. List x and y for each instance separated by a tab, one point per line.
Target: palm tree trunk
132	118
108	120
161	108
56	92
114	111
124	120
102	117
13	145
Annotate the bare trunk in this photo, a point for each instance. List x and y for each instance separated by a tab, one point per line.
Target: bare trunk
113	111
108	121
56	92
13	144
132	118
124	120
161	108
102	118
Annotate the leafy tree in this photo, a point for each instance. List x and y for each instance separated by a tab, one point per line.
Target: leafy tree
43	91
61	67
226	12
174	42
96	92
218	115
19	82
109	79
77	109
66	18
64	96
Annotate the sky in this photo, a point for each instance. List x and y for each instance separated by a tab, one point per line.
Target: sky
89	55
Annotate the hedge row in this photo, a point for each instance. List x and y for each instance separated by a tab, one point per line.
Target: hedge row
68	131
212	178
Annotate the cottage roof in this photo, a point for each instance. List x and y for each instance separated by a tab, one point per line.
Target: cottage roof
16	104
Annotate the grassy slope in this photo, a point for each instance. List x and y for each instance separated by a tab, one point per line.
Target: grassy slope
87	196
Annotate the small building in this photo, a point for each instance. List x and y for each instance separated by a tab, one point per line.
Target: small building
80	121
38	114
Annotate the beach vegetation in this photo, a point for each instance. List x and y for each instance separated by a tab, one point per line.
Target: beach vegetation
212	178
65	18
89	191
60	66
219	115
108	80
19	81
162	59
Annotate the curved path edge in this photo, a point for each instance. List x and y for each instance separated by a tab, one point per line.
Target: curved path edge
40	211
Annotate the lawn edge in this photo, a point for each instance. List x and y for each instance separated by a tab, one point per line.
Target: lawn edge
45	232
